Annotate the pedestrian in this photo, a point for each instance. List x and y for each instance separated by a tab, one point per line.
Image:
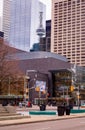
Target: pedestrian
20	104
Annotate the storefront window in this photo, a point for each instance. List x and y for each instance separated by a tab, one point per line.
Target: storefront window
61	82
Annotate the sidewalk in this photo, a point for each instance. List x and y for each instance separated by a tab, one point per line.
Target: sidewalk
39	118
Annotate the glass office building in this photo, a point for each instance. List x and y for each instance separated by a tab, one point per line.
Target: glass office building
20	21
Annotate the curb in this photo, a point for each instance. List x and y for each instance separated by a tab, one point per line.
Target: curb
13	117
44	120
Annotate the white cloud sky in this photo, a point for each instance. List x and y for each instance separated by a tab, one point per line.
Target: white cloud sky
48	8
0	7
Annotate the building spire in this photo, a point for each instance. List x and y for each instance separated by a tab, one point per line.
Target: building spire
40	31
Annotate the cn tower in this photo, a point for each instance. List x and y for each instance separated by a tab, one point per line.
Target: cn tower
40	31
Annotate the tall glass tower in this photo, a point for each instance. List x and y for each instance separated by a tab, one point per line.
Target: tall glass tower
20	21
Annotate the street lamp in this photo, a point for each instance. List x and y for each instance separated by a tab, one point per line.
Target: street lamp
78	94
75	73
9	86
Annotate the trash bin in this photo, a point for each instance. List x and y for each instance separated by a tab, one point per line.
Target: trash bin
42	107
61	110
71	106
68	110
5	103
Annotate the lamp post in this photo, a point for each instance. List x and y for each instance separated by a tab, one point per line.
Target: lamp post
78	93
67	97
75	72
24	89
9	86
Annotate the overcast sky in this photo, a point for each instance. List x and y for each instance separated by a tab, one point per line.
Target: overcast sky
0	7
48	8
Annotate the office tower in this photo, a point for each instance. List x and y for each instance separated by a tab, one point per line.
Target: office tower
1	15
48	35
68	30
45	42
20	21
6	19
0	23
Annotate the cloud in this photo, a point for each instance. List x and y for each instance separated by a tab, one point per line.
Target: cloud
48	8
1	6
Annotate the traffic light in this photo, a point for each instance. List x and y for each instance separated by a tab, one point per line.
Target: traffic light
72	88
78	96
37	89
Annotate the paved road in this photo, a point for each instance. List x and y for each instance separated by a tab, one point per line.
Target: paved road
70	124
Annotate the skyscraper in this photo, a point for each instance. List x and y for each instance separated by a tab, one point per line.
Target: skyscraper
0	23
20	21
45	42
1	6
68	30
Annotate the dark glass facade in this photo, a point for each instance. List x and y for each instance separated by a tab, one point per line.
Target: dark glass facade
61	83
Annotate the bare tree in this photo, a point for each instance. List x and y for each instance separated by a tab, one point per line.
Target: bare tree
9	69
